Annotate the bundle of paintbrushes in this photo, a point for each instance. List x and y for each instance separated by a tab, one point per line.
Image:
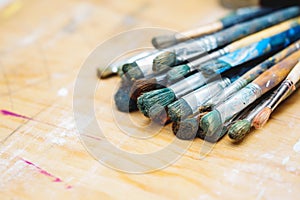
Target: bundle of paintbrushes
218	78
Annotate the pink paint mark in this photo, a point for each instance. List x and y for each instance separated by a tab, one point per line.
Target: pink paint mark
9	113
44	172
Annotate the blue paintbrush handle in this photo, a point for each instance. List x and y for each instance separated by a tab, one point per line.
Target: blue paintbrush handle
243	14
258	49
241	30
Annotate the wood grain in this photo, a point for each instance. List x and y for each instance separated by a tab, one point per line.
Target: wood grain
43	46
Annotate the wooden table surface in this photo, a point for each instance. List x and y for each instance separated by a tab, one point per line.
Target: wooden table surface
43	45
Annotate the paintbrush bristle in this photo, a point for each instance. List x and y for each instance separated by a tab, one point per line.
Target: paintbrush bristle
132	71
211	123
144	85
164	61
177	73
123	101
186	129
179	110
262	117
158	114
164	41
239	130
162	97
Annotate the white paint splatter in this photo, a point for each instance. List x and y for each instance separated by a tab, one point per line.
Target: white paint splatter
32	37
285	160
261	194
297	147
267	156
58	141
291	169
62	92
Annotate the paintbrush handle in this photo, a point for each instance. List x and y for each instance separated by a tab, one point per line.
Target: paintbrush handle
253	51
259	69
237	16
277	73
262	47
287	86
244	14
262	34
246	41
241	30
294	75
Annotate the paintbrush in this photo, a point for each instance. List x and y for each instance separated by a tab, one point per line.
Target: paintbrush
219	39
142	67
188	128
167	95
116	67
251	52
242	127
253	73
189	104
212	122
237	16
195	102
286	87
158	112
178	72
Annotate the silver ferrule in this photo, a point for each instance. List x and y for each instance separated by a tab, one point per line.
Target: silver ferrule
216	54
189	84
232	88
281	93
198	46
202	95
239	101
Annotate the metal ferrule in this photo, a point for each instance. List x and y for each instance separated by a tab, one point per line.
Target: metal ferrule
283	90
202	95
189	84
239	101
198	46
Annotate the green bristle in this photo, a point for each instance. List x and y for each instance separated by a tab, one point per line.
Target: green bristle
179	110
186	129
239	130
132	71
162	97
177	73
164	61
211	123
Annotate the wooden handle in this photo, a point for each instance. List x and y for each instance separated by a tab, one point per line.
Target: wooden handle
263	34
277	73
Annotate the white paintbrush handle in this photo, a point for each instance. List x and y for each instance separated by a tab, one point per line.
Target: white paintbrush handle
294	75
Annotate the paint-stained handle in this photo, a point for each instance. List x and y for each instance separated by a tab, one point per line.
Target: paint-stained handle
277	73
243	14
259	69
263	34
241	30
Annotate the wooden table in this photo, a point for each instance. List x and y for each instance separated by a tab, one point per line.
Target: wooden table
43	47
